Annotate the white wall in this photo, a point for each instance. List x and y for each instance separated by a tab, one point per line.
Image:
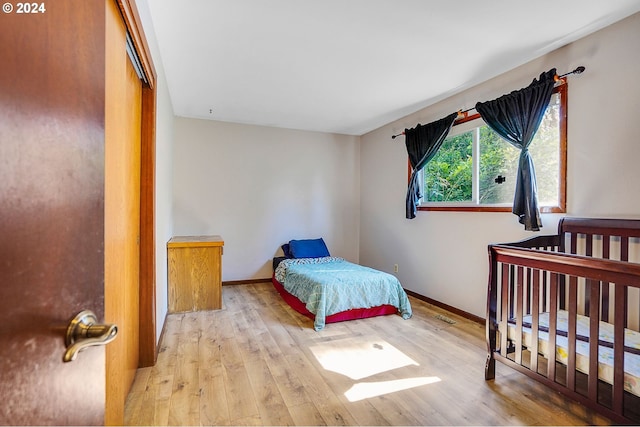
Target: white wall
164	169
443	255
259	187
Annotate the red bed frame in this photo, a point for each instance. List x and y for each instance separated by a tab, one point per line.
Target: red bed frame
355	313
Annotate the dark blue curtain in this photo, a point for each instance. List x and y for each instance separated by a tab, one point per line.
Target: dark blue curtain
422	144
516	118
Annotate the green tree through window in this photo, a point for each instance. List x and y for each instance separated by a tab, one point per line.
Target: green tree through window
448	174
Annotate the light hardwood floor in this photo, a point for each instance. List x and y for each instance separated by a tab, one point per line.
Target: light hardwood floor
258	362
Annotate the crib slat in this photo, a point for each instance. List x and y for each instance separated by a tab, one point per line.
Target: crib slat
571	333
624	248
624	256
544	291
535	314
504	311
606	253
574	243
593	287
619	314
512	293
519	300
553	315
527	295
588	252
606	246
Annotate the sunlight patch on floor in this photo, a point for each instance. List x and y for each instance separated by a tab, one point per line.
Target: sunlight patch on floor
364	357
367	390
360	358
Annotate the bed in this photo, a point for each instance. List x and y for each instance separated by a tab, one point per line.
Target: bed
330	289
568	289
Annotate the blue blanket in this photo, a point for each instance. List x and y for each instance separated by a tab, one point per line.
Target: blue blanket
329	285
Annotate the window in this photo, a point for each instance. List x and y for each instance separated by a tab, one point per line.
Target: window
476	170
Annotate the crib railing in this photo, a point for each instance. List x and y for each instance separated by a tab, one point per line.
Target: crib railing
533	277
616	239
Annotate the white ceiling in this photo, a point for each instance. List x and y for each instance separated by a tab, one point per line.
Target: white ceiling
351	66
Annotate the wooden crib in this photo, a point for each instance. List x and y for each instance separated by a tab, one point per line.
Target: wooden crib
583	282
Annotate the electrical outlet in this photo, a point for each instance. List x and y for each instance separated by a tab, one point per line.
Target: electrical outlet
395	268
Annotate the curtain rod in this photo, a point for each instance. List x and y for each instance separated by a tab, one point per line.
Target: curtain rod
462	113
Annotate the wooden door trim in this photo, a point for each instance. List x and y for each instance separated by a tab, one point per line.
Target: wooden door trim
148	347
148	343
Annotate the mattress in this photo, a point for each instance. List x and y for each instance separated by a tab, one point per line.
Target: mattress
605	353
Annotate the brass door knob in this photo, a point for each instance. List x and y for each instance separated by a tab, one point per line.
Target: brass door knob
84	331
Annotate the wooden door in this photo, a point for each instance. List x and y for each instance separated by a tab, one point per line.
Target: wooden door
122	223
70	211
52	210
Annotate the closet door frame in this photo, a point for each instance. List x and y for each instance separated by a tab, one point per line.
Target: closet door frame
148	343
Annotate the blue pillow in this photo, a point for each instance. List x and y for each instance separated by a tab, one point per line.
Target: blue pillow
308	248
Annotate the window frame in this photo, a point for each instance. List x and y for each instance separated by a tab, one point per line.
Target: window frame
561	89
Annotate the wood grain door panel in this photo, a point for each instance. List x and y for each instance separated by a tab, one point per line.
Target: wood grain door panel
52	211
122	224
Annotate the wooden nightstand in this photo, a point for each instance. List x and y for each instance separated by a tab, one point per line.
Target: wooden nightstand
195	273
